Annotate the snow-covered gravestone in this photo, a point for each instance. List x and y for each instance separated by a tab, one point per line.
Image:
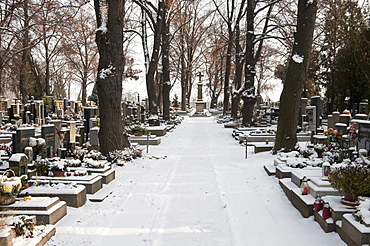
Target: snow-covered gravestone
18	163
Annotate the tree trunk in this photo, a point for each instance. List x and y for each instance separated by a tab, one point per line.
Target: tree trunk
230	44
24	62
153	64
166	87
109	39
83	87
249	97
286	137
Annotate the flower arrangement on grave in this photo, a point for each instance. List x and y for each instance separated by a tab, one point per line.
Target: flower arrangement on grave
58	168
42	167
90	163
73	163
121	156
94	154
319	149
38	146
138	130
10	187
331	135
306	153
352	179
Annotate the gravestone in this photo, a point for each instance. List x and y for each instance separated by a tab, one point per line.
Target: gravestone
67	138
57	128
48	133
80	136
18	163
3	106
363	135
40	112
364	108
94	137
316	101
311	117
344	118
21	138
65	104
330	121
12	112
72	131
336	115
89	112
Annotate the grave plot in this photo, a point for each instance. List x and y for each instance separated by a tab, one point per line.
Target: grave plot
24	230
48	210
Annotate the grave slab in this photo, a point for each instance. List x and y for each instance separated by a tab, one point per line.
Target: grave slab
73	196
107	173
48	210
270	169
287	187
10	239
357	232
92	182
283	171
157	130
153	140
304	203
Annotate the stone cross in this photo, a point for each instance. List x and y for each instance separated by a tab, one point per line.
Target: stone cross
200	92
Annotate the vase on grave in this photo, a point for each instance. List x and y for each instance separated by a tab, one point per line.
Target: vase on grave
58	173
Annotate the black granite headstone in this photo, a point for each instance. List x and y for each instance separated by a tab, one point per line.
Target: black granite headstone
48	133
21	138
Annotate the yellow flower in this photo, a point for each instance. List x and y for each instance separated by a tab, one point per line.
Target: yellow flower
7	188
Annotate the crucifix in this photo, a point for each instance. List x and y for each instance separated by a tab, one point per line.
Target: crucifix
200	75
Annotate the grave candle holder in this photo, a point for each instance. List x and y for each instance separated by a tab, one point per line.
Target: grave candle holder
305	188
325	171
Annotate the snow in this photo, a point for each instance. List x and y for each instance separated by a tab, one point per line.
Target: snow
204	193
105	72
103	28
297	58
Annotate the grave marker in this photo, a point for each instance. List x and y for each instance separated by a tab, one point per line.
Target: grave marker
363	135
18	163
48	133
21	138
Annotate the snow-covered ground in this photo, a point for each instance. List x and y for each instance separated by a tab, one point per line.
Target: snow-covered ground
195	188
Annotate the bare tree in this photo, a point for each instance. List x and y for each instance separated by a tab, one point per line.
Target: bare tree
80	49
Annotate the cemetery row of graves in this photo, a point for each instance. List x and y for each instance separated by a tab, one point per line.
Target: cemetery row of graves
50	159
328	174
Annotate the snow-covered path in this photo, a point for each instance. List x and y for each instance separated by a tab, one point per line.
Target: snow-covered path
195	188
